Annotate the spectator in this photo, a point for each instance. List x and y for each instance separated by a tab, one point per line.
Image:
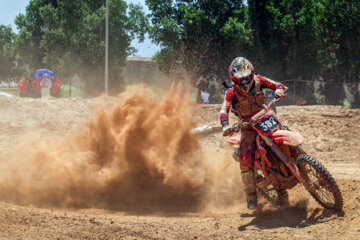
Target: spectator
37	87
45	86
205	96
23	87
202	86
55	86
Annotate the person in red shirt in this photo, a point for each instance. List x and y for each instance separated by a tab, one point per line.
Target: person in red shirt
55	86
23	87
37	87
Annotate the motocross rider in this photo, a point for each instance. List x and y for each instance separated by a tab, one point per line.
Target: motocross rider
245	98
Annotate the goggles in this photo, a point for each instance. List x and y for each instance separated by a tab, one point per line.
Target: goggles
245	80
241	80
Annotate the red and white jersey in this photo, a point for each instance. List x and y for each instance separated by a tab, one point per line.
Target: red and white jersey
245	106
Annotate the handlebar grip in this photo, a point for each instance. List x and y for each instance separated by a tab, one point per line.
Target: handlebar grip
229	131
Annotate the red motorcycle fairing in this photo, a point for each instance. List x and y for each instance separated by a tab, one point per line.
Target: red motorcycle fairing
235	140
267	124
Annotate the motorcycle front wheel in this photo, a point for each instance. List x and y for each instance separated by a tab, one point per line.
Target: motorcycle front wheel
323	186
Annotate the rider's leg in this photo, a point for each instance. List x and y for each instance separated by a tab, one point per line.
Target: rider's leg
247	175
246	159
283	197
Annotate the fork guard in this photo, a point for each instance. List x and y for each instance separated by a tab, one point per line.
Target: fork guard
293	168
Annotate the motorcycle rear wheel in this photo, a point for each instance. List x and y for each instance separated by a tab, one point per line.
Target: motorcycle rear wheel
325	190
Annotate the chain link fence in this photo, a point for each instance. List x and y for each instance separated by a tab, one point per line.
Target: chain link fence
305	92
299	92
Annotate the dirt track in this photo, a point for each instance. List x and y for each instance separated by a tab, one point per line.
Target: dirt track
331	136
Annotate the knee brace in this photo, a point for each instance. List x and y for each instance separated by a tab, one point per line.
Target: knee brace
245	160
236	153
248	179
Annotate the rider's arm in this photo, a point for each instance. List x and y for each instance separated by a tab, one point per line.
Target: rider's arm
225	108
268	83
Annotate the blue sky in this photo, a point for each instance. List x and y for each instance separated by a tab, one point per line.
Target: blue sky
9	9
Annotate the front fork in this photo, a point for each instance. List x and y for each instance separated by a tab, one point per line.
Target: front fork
290	164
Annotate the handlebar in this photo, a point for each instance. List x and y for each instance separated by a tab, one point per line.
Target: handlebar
240	124
275	100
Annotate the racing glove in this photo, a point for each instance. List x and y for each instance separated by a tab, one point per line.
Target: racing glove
280	93
226	130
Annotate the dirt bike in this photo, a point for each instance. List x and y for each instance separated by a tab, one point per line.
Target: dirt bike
279	167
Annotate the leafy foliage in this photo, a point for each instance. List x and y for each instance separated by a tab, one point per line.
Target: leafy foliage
308	39
7	53
69	37
285	39
204	35
286	36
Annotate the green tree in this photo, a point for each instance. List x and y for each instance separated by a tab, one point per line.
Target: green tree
287	37
69	37
203	35
7	53
340	50
309	39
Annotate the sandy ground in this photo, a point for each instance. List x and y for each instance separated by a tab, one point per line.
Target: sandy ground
331	135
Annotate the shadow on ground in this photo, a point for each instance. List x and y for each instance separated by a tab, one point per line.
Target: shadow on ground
297	216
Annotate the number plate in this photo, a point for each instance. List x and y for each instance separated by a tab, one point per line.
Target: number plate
267	124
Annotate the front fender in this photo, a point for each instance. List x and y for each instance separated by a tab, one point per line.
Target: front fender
290	138
235	140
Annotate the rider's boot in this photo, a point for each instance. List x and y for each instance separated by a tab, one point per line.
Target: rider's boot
283	197
248	179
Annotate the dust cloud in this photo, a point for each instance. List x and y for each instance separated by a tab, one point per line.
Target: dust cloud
137	156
